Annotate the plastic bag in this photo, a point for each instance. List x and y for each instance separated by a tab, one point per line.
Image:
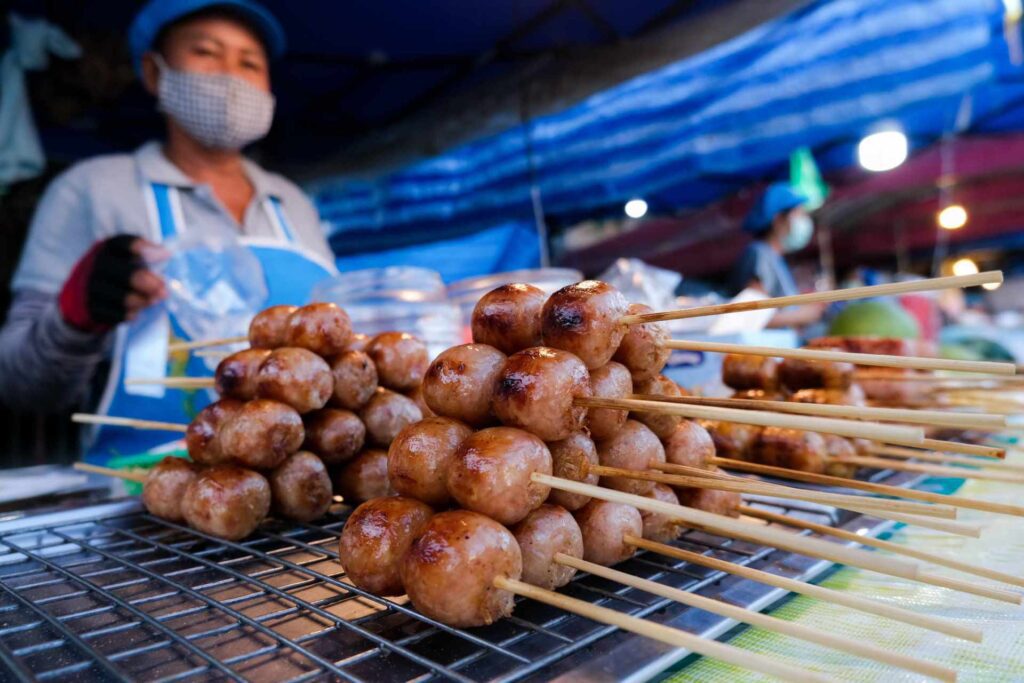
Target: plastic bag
643	283
215	284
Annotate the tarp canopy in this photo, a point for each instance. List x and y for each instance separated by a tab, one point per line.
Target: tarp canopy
699	129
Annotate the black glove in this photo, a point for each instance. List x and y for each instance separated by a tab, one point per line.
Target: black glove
94	297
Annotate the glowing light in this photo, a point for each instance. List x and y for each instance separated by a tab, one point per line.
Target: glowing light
636	208
863	531
882	151
952	217
964	266
990	286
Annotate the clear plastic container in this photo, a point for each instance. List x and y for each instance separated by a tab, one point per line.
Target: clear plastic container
402	298
465	293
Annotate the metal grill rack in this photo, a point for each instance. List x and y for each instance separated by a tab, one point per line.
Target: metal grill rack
111	593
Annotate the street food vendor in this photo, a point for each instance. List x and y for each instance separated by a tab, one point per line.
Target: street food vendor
84	292
779	224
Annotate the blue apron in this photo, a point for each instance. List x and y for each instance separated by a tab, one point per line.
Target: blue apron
140	347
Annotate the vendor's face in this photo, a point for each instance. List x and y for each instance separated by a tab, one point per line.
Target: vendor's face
212	45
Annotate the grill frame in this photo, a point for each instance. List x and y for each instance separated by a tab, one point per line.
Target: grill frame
41	639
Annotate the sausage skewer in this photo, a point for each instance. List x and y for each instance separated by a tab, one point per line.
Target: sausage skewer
906	416
852	646
874	359
889	546
883	489
844	598
740	485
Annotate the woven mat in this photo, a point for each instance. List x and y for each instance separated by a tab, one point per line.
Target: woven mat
999	658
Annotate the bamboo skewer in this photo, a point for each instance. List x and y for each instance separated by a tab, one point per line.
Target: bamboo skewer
665	634
924	417
139	477
765	621
929	285
201	343
926	468
945	458
744	485
730	482
961	586
851	428
883	489
957	447
867	605
896	548
172	382
909	362
728	526
85	418
870	375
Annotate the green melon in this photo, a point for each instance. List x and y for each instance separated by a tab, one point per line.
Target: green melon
875	319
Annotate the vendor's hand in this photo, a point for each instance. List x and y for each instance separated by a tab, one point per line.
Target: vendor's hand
111	284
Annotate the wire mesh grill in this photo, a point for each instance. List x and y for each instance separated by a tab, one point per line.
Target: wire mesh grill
132	597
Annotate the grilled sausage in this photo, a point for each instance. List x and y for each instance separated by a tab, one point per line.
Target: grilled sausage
301	488
450	569
791	448
416	396
572	459
419	458
851	396
585	319
742	372
690	444
536	392
261	434
544	533
376	537
226	501
710	500
297	377
323	328
460	383
838	447
634	447
604	526
508	318
203	436
491	471
608	381
813	374
386	414
364	477
237	375
661	424
355	379
401	359
269	327
165	487
733	439
334	435
643	349
660	527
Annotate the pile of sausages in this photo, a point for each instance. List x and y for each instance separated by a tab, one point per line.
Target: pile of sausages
802	381
308	397
503	410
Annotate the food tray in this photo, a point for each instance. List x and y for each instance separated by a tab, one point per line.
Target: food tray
108	593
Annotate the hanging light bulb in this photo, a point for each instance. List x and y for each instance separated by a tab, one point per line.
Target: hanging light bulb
965	266
952	217
636	208
882	151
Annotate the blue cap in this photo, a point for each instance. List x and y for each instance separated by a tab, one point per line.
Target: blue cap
777	197
157	14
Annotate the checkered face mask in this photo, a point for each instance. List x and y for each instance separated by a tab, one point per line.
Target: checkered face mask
218	110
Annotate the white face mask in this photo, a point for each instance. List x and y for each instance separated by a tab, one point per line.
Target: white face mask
801	229
219	110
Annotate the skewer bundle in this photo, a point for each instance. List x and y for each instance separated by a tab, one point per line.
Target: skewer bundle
511	444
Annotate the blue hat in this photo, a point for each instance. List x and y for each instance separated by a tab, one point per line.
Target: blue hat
777	197
157	14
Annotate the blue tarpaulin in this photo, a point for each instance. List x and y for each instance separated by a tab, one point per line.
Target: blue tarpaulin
697	129
512	246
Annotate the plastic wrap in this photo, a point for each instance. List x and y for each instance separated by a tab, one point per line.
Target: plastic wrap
643	283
